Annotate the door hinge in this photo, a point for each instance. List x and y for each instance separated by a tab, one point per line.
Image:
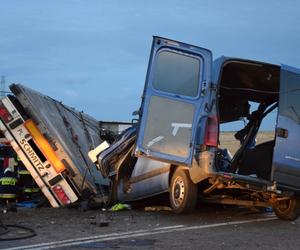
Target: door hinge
209	107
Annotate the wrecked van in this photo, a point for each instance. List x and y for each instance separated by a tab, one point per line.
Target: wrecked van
174	146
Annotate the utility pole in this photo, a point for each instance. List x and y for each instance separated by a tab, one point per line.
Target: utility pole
2	87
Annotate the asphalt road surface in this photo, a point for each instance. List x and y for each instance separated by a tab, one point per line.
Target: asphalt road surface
209	227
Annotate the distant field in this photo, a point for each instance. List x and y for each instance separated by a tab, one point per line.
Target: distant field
228	141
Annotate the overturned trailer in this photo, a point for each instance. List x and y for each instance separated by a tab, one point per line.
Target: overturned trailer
53	141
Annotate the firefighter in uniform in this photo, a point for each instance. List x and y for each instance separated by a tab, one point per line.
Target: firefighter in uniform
27	185
8	190
6	155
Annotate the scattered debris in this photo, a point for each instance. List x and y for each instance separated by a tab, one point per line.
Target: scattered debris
101	220
15	232
27	204
269	210
120	207
157	208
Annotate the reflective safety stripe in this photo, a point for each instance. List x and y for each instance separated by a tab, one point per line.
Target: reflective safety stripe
23	172
4	181
8	196
31	190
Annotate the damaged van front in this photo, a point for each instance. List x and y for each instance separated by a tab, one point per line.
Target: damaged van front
175	145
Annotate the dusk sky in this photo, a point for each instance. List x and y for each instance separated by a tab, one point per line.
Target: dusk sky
93	55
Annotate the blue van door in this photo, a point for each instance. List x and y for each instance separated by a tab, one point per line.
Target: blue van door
286	158
177	76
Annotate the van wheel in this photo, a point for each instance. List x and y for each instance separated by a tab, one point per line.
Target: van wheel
287	209
183	192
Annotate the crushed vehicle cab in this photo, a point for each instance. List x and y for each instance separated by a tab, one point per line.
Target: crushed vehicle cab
174	146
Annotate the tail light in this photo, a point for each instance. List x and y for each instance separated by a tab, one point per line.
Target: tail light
44	146
4	114
61	195
211	131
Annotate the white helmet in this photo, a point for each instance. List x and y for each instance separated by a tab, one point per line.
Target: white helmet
8	170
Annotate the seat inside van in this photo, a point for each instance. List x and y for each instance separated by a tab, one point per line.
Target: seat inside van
242	83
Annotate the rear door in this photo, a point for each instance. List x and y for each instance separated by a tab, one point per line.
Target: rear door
172	100
286	158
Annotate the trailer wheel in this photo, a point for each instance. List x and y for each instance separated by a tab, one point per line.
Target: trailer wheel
183	192
287	209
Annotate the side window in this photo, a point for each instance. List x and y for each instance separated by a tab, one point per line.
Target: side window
290	95
177	74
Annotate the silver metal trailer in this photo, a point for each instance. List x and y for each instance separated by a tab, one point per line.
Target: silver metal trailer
53	141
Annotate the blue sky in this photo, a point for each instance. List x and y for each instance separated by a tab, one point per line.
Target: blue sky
93	55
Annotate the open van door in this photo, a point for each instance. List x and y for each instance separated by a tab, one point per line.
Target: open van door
286	158
172	100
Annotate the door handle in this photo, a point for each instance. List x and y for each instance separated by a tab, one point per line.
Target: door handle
282	132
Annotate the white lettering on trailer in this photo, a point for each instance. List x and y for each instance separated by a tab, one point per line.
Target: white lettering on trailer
20	131
33	157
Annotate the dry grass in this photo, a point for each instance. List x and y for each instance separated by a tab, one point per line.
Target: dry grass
228	141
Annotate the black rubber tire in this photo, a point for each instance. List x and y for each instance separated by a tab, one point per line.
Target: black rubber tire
287	209
183	192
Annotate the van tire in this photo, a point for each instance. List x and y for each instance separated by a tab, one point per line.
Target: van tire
287	209
183	192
